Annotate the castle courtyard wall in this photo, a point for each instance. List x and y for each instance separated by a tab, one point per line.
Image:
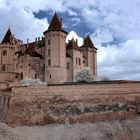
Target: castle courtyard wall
73	103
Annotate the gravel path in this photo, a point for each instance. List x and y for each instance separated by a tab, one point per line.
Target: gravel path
117	130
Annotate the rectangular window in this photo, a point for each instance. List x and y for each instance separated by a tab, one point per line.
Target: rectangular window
17	75
49	52
4	52
79	61
35	76
49	62
84	61
43	66
49	42
3	67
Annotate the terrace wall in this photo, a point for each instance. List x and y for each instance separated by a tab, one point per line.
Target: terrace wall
72	103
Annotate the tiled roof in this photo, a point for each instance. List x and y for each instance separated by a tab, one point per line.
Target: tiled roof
31	46
7	37
30	50
88	42
55	25
72	44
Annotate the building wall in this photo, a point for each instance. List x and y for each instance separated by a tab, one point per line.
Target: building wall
8	61
55	45
55	51
90	59
77	62
73	103
69	69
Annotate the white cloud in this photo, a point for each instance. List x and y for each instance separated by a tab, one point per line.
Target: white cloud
120	62
121	18
75	20
102	36
71	35
22	23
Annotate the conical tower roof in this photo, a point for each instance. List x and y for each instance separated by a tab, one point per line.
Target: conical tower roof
7	37
56	24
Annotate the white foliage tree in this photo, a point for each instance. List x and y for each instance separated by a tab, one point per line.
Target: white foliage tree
31	82
84	75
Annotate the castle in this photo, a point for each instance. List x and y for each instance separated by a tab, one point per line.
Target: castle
48	58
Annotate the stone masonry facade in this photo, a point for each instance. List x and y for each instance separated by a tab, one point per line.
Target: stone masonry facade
48	58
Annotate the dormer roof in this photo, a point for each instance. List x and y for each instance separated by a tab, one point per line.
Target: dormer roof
88	42
7	37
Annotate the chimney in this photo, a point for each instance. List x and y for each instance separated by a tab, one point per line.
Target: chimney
36	39
76	41
27	42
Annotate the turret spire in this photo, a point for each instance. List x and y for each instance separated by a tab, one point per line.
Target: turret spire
56	23
7	37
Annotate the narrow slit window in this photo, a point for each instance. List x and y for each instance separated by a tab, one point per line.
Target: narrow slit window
49	52
49	62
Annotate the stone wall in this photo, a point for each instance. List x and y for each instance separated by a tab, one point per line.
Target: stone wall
4	105
72	103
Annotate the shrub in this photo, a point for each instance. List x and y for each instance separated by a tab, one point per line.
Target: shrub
84	75
105	78
31	82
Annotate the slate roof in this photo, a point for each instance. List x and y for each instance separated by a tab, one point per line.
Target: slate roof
55	25
7	37
88	42
72	44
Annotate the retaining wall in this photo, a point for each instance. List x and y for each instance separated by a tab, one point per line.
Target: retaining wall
72	103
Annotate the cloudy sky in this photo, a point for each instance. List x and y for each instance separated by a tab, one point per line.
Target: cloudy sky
113	25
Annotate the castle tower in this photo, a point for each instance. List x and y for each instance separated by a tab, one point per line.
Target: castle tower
55	52
7	50
90	54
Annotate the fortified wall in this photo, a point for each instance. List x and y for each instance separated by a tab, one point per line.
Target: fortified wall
70	103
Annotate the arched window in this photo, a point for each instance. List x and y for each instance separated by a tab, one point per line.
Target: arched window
35	76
